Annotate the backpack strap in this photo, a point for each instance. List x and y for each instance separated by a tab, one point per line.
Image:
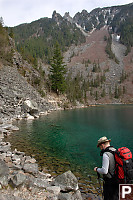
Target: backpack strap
109	149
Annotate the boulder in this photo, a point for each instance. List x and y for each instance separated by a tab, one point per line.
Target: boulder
4	171
70	196
18	179
40	183
31	168
53	189
30	107
66	181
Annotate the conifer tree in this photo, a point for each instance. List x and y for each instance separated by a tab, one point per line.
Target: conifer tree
57	69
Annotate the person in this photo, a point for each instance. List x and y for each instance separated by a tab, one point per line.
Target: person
110	186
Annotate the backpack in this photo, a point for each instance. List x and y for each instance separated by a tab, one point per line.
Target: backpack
123	165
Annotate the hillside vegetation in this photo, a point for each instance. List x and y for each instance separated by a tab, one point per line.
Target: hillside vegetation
37	39
6	51
98	66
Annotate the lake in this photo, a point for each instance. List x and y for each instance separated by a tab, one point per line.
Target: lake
66	140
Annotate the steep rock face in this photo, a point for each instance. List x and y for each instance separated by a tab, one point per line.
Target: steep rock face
14	90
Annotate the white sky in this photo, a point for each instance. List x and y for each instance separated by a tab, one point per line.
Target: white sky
15	12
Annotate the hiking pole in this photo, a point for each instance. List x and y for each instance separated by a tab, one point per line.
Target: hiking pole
98	177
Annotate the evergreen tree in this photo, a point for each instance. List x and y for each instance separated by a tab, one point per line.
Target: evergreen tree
57	69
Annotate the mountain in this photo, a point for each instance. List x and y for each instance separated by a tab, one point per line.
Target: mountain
36	40
97	49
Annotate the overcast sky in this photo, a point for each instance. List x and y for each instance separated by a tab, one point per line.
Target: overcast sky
15	12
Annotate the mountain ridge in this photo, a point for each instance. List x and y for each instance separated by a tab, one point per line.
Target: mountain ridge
98	72
97	34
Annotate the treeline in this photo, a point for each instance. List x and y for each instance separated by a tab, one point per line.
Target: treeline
108	49
6	51
126	30
123	25
37	39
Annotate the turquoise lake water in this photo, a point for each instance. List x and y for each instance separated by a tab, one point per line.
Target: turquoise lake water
72	135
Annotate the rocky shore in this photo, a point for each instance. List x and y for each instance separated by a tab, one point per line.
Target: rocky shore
20	178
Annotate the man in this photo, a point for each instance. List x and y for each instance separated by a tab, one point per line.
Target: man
110	187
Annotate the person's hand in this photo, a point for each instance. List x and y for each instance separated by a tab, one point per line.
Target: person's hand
95	169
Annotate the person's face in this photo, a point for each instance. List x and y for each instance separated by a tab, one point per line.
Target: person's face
101	146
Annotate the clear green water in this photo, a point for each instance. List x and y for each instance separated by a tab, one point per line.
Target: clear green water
72	135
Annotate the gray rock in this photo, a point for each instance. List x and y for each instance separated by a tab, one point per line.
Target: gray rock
9	197
4	170
70	196
17	167
30	107
40	183
54	189
5	148
16	159
18	152
31	168
67	181
1	121
18	179
14	128
28	159
2	130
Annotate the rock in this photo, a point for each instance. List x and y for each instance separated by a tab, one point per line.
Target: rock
18	152
7	126
9	197
18	179
30	160
4	170
16	159
30	117
14	128
27	116
31	168
9	154
67	181
70	196
54	189
1	121
4	149
43	113
3	131
30	107
17	167
2	156
7	159
40	183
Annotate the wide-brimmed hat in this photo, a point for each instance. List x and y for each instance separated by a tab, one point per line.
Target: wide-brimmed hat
103	140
